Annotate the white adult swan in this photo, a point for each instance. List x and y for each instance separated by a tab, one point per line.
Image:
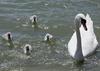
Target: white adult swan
83	41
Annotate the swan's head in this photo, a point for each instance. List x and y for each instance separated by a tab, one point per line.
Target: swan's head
48	37
33	18
27	49
80	19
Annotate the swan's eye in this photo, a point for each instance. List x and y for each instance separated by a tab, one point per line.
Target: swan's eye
83	22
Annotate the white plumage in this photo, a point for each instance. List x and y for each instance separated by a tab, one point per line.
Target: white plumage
88	39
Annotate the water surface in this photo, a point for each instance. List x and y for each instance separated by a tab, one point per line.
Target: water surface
54	17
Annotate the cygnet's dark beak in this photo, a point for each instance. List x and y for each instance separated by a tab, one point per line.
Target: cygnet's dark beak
34	19
9	36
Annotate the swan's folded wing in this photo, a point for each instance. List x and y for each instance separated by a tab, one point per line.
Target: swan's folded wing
90	23
89	20
89	41
72	45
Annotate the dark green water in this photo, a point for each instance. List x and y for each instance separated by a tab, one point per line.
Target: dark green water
57	16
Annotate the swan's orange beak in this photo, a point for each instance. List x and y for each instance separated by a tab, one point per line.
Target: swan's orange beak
83	21
85	27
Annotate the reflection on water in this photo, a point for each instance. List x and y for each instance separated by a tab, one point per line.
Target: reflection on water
55	17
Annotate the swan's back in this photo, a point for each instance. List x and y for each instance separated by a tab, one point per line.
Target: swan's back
88	40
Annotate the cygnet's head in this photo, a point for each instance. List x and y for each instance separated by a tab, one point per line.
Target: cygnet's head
27	49
7	36
48	37
80	19
33	19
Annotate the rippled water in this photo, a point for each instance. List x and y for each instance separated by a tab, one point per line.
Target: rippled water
54	17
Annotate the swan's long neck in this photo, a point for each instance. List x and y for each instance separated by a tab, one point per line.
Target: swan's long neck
78	54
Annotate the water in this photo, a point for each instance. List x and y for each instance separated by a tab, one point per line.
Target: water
55	17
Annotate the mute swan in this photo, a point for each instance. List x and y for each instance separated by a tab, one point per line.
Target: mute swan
48	37
7	36
27	49
33	19
83	41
